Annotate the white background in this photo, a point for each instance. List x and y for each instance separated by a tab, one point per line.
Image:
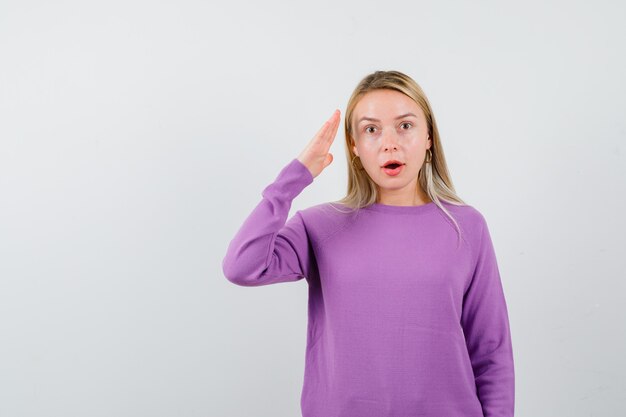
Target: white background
137	136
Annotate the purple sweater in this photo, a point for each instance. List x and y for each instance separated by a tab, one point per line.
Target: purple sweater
403	320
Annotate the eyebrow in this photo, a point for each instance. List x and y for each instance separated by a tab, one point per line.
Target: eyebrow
376	120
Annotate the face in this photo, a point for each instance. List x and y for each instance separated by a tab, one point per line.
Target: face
383	131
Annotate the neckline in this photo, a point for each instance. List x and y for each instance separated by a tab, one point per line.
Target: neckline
386	208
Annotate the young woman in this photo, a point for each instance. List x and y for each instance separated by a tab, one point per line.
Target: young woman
407	314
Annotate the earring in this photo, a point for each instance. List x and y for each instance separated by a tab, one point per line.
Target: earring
356	167
429	156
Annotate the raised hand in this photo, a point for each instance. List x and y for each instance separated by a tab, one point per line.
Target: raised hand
316	156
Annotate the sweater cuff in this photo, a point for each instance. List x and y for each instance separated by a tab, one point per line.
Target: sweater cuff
290	181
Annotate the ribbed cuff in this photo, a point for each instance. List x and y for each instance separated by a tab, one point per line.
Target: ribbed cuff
290	181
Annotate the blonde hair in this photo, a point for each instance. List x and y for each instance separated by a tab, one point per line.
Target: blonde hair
433	176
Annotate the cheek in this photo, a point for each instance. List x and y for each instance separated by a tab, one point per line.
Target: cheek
368	146
368	157
414	141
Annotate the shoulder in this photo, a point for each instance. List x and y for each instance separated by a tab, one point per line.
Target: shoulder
329	212
324	219
475	227
468	214
470	219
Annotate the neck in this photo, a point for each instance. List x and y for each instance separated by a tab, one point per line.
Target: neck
402	200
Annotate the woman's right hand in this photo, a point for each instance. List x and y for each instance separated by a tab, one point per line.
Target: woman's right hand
316	156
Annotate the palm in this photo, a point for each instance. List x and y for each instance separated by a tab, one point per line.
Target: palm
316	155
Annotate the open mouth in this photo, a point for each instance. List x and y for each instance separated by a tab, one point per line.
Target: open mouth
392	166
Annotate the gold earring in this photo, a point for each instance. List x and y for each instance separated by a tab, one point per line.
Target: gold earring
355	156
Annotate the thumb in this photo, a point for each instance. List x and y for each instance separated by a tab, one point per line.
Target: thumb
328	160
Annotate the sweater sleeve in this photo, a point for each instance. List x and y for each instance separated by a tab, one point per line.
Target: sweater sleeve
268	248
486	327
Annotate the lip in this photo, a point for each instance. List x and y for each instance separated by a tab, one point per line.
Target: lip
392	161
393	172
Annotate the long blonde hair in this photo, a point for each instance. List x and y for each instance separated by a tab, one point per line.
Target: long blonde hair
433	177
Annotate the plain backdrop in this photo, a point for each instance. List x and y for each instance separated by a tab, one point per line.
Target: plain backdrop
136	136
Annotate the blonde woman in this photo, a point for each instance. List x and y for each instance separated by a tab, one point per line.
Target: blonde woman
407	314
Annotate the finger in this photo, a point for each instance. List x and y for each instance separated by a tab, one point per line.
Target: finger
321	137
335	127
329	159
337	122
330	133
320	133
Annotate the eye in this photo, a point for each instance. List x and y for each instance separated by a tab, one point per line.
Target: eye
407	123
369	127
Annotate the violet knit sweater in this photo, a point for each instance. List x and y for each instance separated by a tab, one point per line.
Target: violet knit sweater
404	320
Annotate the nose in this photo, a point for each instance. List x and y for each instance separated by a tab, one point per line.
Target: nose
389	141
